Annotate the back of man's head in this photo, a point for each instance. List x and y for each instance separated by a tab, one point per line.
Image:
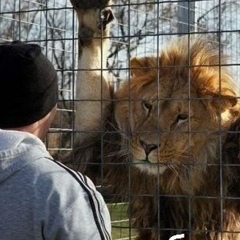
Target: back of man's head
28	85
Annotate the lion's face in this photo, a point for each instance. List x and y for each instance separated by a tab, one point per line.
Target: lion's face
171	116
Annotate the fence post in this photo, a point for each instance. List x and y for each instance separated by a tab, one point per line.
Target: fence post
186	16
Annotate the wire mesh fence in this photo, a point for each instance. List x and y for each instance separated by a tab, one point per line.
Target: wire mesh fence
141	28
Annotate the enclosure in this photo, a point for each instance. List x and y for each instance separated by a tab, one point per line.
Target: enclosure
140	28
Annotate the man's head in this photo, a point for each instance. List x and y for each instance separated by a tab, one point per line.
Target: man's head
28	85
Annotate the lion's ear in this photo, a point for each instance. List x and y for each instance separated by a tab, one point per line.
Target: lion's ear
224	102
220	102
141	66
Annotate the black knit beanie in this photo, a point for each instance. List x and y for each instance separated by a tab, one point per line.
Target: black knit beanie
28	85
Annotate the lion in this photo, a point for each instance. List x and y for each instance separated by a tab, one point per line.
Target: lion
166	146
173	116
161	140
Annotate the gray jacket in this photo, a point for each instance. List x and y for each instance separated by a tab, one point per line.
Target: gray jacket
43	199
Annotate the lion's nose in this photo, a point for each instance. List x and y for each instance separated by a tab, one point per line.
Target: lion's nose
148	147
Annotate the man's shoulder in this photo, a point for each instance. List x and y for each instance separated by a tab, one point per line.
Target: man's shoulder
55	174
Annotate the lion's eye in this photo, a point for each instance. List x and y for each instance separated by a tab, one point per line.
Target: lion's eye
181	118
147	106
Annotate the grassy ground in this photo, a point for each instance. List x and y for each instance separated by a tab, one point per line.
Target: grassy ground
120	224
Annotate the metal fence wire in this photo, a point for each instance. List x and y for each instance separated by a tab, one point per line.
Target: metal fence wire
162	144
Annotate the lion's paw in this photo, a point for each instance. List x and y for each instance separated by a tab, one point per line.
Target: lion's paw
93	15
90	4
